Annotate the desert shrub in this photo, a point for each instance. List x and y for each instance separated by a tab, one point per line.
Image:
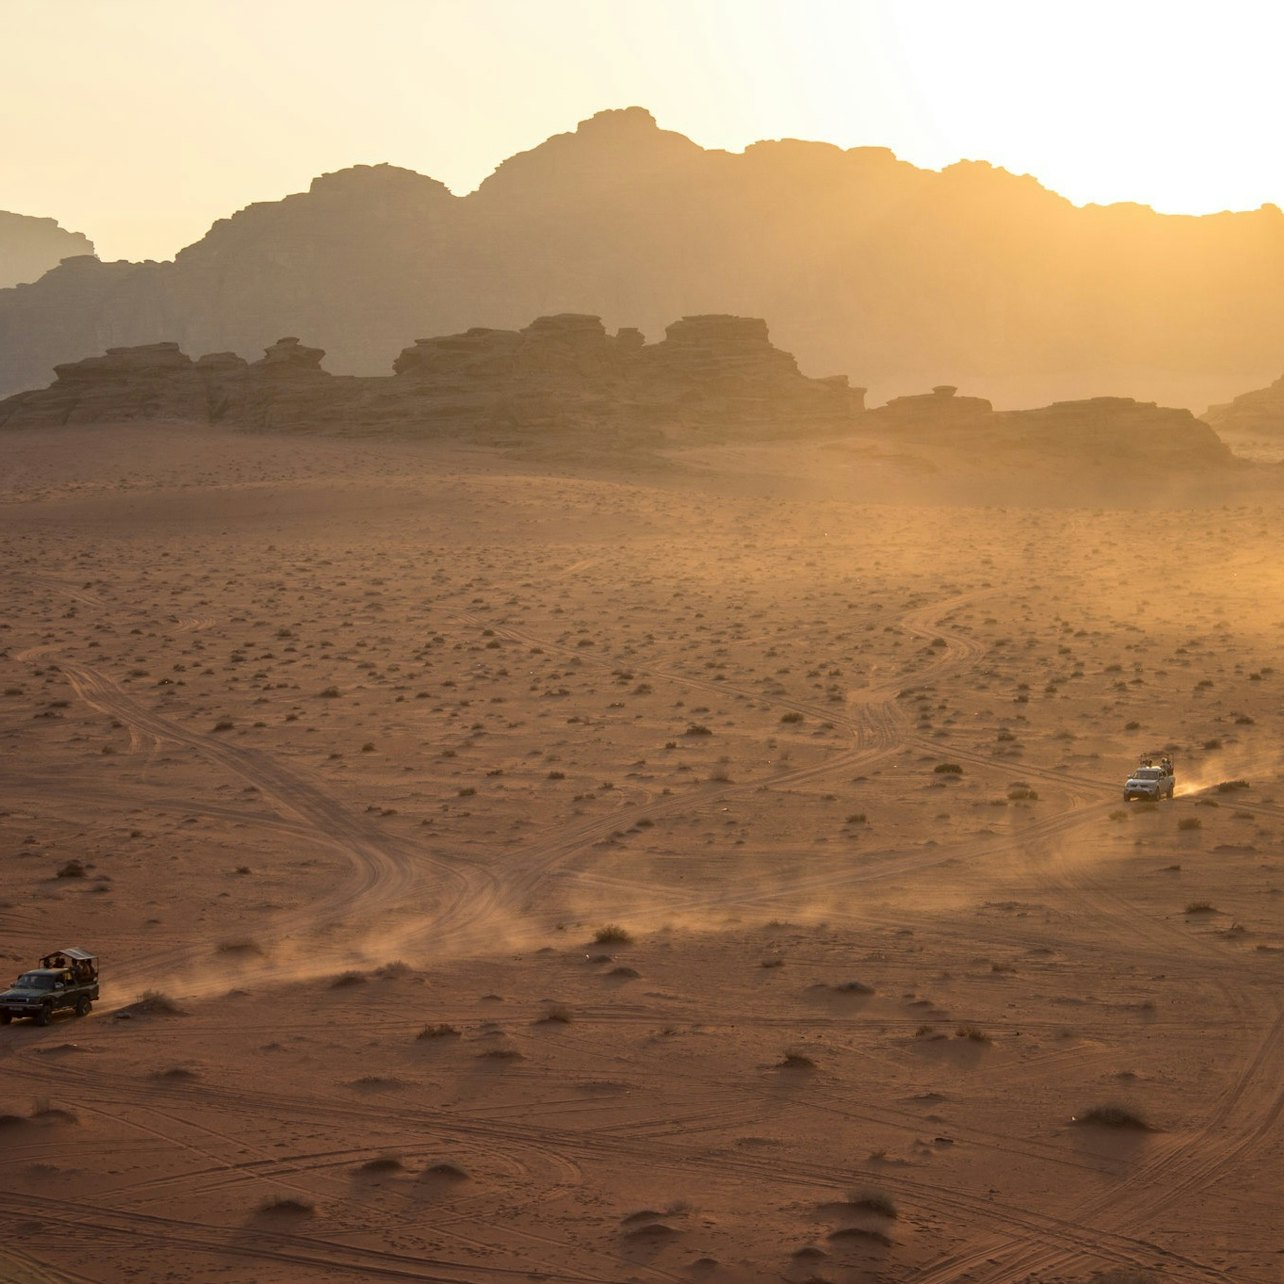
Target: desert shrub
558	1014
72	869
875	1201
241	945
697	729
1113	1115
791	717
775	961
612	934
330	693
281	1205
345	980
797	1061
856	818
441	1031
224	724
154	1003
1189	822
972	1032
948	769
1229	786
1200	907
383	1164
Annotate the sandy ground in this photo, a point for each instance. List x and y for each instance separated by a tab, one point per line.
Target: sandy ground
361	746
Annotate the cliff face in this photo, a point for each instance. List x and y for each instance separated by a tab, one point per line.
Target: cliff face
863	262
1253	424
713	378
29	247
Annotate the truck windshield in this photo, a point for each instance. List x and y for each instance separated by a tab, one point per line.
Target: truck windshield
36	981
1148	773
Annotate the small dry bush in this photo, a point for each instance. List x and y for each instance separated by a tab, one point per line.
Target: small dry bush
153	1003
243	947
383	1164
558	1014
1112	1115
347	979
874	1201
860	1233
797	1061
1189	822
500	1054
1200	907
973	1033
442	1031
612	934
283	1206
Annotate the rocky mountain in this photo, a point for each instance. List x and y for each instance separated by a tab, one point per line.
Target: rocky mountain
712	378
1253	423
29	247
865	263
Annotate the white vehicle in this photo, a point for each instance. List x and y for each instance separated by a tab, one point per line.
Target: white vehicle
1153	779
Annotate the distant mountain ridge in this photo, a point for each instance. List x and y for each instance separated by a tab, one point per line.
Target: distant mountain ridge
30	246
900	276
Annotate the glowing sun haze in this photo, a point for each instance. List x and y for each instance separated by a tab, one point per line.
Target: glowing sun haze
138	122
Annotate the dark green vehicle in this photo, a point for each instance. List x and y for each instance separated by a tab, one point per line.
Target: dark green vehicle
65	979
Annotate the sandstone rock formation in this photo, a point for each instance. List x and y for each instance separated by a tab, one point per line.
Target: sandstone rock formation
1253	424
1101	432
29	247
863	262
713	378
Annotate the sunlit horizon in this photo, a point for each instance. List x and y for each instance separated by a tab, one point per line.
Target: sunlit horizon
142	123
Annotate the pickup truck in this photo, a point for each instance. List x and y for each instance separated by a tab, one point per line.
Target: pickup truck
65	979
1152	780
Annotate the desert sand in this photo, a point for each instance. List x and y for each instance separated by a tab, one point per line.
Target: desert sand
710	866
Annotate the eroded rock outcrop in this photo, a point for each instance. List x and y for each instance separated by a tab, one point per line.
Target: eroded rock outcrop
1253	424
29	247
712	378
1095	432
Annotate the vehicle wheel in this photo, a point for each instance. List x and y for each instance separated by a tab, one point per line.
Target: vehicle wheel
5	1018
45	1015
83	1005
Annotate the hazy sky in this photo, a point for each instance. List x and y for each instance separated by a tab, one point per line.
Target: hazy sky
138	122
